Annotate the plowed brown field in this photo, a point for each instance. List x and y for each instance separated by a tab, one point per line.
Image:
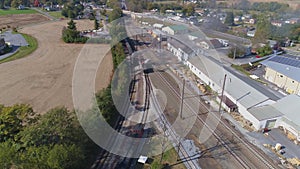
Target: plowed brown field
44	78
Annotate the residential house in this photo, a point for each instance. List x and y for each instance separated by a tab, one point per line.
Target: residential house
210	44
204	44
237	19
21	7
252	21
175	29
272	43
251	33
277	23
293	21
158	26
284	71
247	16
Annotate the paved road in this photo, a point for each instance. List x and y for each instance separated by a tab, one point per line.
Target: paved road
45	13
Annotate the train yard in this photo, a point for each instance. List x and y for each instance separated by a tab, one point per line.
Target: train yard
226	147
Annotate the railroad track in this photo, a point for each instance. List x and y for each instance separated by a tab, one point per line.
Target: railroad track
107	160
150	94
189	163
257	154
242	162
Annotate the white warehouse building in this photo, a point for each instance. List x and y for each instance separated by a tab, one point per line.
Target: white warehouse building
180	50
247	96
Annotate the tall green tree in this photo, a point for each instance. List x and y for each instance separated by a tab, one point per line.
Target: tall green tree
115	14
96	24
55	127
8	154
1	4
188	10
71	35
229	20
15	3
52	140
264	30
72	25
63	156
12	120
295	33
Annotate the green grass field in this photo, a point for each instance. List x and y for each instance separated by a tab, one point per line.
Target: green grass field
16	11
56	14
24	50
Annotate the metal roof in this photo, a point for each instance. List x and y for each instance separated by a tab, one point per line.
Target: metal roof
244	93
290	107
286	65
265	112
178	27
177	44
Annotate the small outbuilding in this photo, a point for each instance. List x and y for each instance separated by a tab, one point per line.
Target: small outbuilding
175	29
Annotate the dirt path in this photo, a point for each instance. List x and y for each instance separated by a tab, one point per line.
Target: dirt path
44	79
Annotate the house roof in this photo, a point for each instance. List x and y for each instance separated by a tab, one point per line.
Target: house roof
157	25
265	112
177	44
290	107
285	64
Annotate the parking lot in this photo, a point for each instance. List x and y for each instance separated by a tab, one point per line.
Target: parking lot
14	39
277	136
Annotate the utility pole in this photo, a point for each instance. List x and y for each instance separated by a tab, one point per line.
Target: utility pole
222	94
234	53
178	149
182	95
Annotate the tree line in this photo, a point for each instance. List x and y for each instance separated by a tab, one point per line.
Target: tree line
27	3
265	30
258	6
141	5
52	140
